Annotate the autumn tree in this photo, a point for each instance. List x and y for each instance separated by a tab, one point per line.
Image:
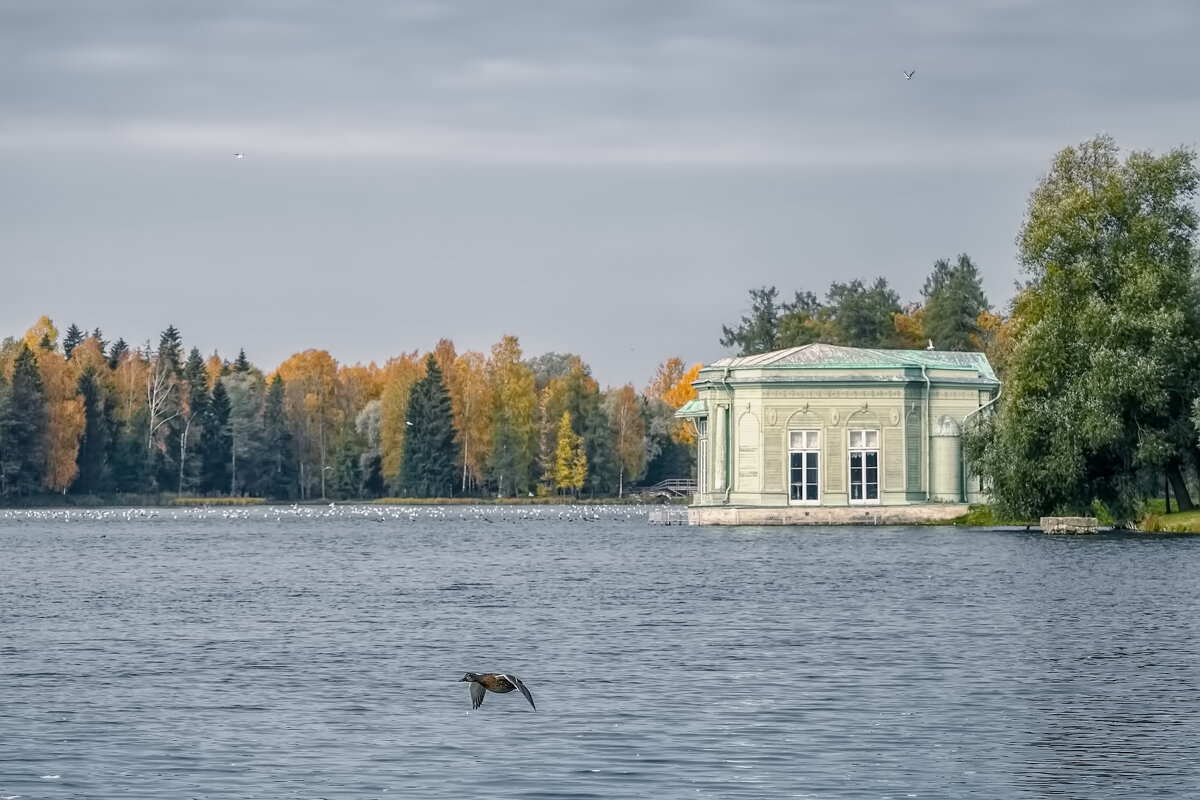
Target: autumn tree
42	336
909	327
310	380
624	409
514	414
65	421
472	404
569	443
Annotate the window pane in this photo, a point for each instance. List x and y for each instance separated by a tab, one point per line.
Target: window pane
810	460
872	491
811	490
797	460
872	438
856	438
796	491
873	458
796	440
814	440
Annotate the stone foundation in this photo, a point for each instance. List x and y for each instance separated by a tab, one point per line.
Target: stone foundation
818	515
1069	525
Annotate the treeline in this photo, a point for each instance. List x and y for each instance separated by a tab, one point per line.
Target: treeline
952	314
87	417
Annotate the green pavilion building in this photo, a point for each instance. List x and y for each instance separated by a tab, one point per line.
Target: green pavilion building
822	434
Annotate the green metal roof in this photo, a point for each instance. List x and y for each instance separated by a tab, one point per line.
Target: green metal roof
831	356
693	408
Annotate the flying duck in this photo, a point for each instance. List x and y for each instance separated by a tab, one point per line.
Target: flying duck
497	682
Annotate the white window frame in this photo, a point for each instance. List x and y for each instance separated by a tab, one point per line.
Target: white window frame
806	444
865	443
702	455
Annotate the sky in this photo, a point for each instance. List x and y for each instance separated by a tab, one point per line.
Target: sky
602	177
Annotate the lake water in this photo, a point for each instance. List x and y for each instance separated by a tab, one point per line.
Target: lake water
314	653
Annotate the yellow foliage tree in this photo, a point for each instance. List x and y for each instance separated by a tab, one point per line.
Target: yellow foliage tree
472	405
676	396
629	434
64	420
666	375
41	334
88	355
514	415
214	368
565	453
910	334
357	386
310	396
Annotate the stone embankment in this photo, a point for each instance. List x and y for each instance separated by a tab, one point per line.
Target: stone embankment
1069	525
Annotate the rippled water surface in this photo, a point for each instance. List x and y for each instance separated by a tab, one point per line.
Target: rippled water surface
315	654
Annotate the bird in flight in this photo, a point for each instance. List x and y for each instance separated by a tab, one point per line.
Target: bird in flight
239	155
497	682
907	76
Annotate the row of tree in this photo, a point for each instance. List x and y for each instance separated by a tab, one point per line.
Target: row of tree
953	314
88	417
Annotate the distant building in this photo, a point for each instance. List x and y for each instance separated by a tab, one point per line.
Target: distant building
823	434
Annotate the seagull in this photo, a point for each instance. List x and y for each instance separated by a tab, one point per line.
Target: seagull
907	77
239	155
497	682
930	345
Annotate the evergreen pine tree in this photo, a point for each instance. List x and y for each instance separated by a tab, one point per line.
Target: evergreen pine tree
277	472
954	299
99	337
22	427
242	364
216	443
119	348
170	347
167	420
190	459
94	446
71	340
429	464
132	466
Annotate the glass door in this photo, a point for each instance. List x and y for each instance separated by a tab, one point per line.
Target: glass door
804	467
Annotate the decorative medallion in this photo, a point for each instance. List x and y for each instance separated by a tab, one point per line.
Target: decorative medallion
833	415
772	416
895	417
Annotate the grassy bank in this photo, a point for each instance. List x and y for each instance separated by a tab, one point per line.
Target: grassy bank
1155	520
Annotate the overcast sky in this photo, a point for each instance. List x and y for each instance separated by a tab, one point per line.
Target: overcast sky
601	177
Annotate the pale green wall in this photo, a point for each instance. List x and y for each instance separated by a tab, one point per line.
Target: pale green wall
911	460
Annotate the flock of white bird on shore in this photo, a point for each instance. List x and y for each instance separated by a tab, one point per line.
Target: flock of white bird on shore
335	511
